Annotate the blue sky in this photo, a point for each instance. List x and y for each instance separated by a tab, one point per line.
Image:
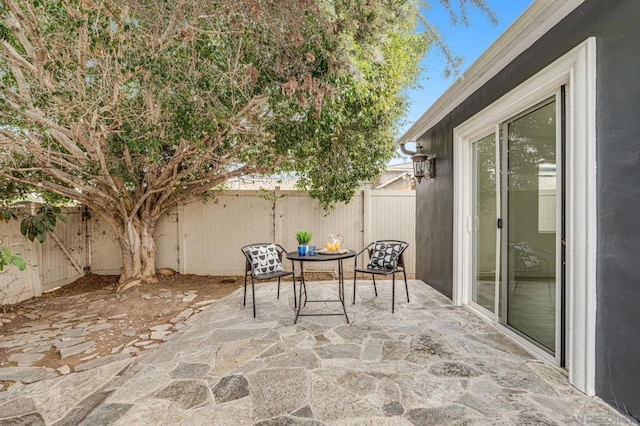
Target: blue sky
466	42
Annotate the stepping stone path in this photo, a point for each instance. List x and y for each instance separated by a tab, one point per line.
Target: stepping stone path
76	331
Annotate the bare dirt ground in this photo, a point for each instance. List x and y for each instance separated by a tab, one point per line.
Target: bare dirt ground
93	297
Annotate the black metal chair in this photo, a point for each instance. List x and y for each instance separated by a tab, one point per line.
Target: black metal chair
385	258
531	264
264	262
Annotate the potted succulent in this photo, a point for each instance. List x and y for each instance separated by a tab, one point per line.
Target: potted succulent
303	238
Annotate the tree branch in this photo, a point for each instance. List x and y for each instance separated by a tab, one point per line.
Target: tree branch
15	58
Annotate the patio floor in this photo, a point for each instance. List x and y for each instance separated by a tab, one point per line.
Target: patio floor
430	363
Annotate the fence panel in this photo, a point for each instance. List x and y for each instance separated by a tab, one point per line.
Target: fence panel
300	211
63	252
16	285
58	261
205	238
166	236
212	233
106	258
392	215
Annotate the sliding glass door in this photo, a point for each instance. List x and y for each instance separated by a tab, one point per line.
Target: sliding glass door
516	225
530	238
485	215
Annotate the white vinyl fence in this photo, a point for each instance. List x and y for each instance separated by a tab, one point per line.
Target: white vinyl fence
204	238
60	260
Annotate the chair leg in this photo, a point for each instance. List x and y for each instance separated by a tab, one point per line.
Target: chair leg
253	293
406	286
393	292
278	296
354	287
375	290
515	287
244	299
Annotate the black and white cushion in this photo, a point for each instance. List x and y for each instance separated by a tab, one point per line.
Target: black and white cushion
385	256
264	259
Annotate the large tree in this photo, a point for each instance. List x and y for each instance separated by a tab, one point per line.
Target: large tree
132	106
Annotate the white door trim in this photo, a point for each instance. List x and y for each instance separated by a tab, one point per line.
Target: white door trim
577	71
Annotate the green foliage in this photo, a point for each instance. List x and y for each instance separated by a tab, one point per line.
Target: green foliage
43	222
8	258
303	237
32	226
350	137
6	214
12	192
313	87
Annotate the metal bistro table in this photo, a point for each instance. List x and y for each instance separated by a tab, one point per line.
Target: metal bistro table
293	256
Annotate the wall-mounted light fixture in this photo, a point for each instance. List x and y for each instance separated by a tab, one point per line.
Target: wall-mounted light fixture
423	165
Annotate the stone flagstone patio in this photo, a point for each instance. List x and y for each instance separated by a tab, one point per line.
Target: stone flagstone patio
430	363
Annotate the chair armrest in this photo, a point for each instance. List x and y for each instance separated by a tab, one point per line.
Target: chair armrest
367	247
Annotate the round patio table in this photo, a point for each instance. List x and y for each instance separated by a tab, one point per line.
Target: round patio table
339	257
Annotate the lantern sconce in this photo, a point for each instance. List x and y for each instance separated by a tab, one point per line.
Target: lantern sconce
423	165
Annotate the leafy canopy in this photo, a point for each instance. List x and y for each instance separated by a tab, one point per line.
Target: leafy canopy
131	107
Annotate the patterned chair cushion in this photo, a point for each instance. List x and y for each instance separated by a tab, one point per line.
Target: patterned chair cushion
385	256
264	259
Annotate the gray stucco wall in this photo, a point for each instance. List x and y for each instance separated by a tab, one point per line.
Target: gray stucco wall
618	136
616	26
434	214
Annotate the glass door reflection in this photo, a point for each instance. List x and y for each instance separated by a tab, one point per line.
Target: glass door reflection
531	237
484	223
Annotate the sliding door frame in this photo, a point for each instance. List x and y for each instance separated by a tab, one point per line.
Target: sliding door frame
576	71
556	356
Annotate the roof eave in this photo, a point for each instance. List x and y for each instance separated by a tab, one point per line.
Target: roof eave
534	22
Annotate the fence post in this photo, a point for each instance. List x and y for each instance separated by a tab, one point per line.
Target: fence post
366	216
37	275
181	243
85	215
366	221
278	214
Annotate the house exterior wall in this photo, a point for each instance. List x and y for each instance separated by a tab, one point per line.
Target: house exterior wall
618	135
615	26
434	210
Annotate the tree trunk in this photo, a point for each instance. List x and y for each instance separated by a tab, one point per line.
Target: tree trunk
138	252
